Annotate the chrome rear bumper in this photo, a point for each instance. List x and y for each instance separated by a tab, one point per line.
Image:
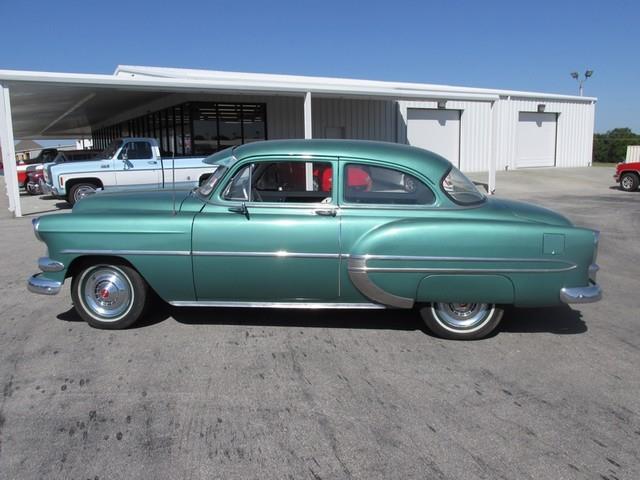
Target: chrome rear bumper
590	294
43	286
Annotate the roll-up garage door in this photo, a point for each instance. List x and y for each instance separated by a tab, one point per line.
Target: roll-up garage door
536	140
435	130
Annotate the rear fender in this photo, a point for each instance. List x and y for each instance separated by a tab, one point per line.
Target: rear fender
412	260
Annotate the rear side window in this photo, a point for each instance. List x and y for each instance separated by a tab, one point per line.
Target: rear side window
384	186
460	189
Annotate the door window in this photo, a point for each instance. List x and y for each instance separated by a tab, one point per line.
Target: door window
282	181
137	151
379	185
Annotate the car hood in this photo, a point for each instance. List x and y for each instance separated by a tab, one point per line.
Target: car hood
138	202
529	212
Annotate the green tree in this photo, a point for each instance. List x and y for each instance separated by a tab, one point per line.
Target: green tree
611	147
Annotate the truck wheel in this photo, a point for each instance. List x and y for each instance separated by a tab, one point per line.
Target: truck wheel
33	189
461	321
109	296
629	182
81	190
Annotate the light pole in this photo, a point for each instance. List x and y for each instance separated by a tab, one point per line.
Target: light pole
576	75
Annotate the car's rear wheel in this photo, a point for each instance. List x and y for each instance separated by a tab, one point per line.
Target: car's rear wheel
629	182
461	321
109	296
81	190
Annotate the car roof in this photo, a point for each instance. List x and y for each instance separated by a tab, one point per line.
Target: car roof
428	163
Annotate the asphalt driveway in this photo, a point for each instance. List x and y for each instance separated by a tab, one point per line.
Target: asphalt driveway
221	393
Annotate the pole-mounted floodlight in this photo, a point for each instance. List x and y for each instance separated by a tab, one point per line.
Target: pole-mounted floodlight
576	76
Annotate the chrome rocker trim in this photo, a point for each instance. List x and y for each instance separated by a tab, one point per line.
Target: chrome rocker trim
43	286
47	265
590	294
300	305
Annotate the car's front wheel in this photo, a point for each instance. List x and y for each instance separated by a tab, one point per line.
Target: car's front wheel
109	296
629	182
461	321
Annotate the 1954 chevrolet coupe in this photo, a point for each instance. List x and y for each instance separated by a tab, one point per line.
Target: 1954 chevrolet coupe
319	224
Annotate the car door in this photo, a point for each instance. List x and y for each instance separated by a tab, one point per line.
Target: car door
270	234
137	167
374	195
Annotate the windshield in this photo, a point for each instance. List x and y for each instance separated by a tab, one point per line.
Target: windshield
460	189
111	150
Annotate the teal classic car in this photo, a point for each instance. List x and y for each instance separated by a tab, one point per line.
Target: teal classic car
319	224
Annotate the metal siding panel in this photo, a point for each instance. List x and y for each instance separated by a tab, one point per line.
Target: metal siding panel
475	130
574	136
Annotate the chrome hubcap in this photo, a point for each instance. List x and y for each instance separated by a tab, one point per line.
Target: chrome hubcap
462	316
626	182
84	191
107	293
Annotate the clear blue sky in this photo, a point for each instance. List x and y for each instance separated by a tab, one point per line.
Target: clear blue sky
503	44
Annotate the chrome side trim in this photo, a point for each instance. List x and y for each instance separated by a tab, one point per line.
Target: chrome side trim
296	305
363	266
464	259
280	254
205	253
125	252
461	270
357	269
590	294
47	265
43	286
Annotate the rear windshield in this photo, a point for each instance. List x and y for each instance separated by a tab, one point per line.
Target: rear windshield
460	189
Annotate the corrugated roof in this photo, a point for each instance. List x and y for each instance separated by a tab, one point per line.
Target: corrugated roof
177	79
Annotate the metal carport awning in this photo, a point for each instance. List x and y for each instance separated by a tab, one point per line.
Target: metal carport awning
36	105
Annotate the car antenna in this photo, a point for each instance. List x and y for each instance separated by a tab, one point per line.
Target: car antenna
173	178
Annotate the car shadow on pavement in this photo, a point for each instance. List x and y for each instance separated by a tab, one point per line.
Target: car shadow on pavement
558	320
157	312
358	319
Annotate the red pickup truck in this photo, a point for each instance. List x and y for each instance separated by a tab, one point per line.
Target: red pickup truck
628	174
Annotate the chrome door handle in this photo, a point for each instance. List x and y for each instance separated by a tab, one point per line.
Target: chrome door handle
328	212
152	162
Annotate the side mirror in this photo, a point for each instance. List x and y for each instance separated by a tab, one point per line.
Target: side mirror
124	155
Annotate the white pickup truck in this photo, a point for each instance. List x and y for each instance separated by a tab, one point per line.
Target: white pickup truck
128	163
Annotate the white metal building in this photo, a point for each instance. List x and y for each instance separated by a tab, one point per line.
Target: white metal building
200	111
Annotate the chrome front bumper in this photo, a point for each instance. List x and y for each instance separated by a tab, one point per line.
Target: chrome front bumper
43	286
590	294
